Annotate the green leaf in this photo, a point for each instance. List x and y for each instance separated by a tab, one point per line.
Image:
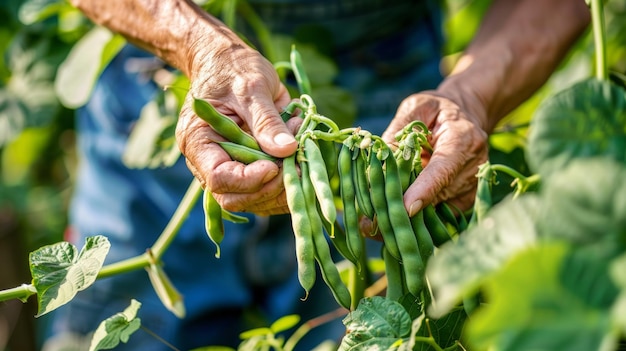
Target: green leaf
171	298
376	321
285	323
59	271
459	267
78	74
116	328
152	142
588	119
594	187
528	308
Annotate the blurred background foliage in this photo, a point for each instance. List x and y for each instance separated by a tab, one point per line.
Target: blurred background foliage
37	150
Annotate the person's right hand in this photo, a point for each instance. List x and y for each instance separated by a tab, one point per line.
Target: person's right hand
240	83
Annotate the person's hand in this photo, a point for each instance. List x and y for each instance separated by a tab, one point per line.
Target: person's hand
459	147
243	85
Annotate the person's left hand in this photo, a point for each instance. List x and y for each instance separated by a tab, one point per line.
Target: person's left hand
459	146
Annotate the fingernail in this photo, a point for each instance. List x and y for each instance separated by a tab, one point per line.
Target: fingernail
284	139
415	207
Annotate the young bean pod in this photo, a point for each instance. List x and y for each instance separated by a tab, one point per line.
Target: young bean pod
223	125
329	270
376	177
213	222
244	154
347	194
305	249
320	180
359	177
402	229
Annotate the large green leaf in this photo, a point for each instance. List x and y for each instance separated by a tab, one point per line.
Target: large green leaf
586	202
585	120
59	271
376	322
460	267
78	74
529	309
116	328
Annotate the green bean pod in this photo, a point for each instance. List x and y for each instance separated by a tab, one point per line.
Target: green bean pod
424	239
244	154
376	177
213	222
403	231
395	276
305	249
447	216
223	125
347	194
359	177
319	178
329	270
304	84
483	201
436	227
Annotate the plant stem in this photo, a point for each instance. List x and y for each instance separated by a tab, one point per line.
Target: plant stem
508	170
163	241
21	292
599	37
178	218
124	266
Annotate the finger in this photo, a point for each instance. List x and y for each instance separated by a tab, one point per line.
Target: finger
269	199
267	126
213	166
458	146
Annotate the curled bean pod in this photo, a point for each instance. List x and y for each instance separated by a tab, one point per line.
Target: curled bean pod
350	214
319	178
213	222
402	229
244	154
223	125
305	249
376	177
359	177
329	270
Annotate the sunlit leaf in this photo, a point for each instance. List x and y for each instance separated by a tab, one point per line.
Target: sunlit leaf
285	323
78	74
152	142
459	267
116	328
585	202
585	120
528	308
171	298
59	271
376	321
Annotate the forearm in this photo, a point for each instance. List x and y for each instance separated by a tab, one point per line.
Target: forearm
518	46
174	30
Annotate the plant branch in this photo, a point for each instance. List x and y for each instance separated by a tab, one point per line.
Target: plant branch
599	37
178	218
22	292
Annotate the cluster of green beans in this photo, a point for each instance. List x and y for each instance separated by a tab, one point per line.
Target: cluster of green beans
345	174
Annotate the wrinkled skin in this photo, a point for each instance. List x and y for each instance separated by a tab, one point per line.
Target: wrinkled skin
249	91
